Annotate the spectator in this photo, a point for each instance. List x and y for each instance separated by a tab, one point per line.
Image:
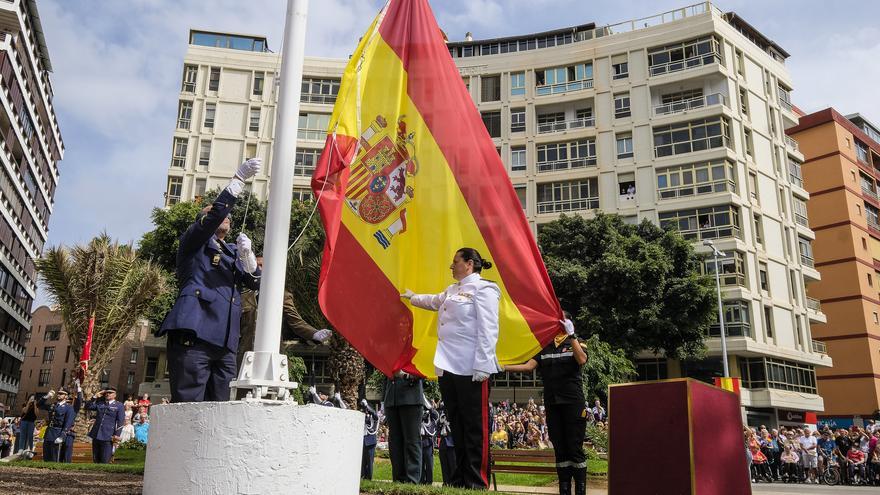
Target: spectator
826	448
856	465
598	412
142	429
809	456
127	431
5	438
25	438
142	411
789	463
145	402
499	436
874	461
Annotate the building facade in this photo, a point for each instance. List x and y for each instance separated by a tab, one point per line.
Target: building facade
31	149
50	362
677	118
841	172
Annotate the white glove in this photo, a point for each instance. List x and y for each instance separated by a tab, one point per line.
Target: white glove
245	253
322	335
249	168
364	402
407	294
50	395
59	441
479	376
77	385
568	326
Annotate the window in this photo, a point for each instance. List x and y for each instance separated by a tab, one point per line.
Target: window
313	126
53	333
792	275
619	69
67	355
624	146
210	113
178	158
201	185
682	101
737	320
794	173
305	162
214	80
651	369
189	78
521	194
732	269
753	185
175	187
740	63
255	120
551	122
759	230
563	79
762	277
517	158
492	121
784	97
44	378
864	244
749	144
861	151
876	319
798	332
768	321
621	106
230	41
695	179
703	223
870	280
151	369
319	90
626	186
490	88
744	101
129	381
517	83
565	156
250	150
555	197
302	195
687	137
685	55
258	83
517	120
871	215
184	114
204	153
806	251
48	354
799	207
133	359
777	374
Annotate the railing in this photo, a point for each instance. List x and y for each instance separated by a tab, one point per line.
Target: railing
569	164
874	223
552	89
807	260
313	134
568	125
568	205
712	233
730	330
317	98
801	219
868	191
814	304
792	143
183	123
820	347
720	185
646	22
689	104
785	104
688	63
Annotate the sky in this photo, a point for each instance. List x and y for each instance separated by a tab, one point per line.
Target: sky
117	69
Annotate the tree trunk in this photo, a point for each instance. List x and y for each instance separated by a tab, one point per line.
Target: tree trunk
347	367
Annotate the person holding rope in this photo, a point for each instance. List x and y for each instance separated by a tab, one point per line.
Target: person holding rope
203	327
559	364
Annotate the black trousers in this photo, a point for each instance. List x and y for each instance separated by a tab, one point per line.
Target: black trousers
467	408
404	442
198	371
102	451
367	456
447	461
566	425
53	452
427	474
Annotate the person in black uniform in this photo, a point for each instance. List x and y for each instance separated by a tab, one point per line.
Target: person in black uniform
429	436
445	445
404	400
371	428
560	366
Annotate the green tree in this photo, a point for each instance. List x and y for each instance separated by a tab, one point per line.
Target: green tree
638	287
605	366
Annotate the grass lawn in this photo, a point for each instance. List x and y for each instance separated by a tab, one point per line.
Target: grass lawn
383	488
126	461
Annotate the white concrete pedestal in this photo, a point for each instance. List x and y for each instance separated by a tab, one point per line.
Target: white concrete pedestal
253	447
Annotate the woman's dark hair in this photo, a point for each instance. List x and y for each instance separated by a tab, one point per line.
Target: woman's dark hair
471	254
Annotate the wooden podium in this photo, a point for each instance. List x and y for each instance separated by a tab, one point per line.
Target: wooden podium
676	437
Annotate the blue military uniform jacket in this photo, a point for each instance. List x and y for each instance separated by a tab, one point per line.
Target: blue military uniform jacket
209	302
109	418
61	417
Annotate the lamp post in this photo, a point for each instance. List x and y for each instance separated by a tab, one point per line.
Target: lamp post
716	253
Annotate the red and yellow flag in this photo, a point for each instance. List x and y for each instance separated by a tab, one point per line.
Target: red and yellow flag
408	176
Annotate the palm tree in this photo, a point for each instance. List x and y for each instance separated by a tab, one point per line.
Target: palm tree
103	280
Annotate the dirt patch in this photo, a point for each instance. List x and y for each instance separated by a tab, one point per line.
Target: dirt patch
15	480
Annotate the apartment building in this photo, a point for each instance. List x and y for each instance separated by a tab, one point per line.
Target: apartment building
31	149
50	362
677	118
841	171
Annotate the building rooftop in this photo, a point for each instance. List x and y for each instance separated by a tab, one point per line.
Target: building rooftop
233	41
37	28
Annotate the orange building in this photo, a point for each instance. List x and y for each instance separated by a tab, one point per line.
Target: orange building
841	171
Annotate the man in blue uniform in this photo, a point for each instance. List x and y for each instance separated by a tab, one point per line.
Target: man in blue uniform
203	327
58	440
109	420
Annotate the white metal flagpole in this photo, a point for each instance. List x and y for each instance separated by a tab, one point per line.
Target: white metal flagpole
264	371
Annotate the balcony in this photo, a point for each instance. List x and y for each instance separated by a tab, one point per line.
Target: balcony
689	104
791	143
869	192
802	219
563	87
718	232
819	347
572	163
807	261
569	125
873	223
813	304
568	205
735	329
785	104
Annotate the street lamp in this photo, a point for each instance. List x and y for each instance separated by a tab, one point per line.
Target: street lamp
716	253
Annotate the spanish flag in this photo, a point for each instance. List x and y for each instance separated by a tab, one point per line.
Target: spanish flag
408	176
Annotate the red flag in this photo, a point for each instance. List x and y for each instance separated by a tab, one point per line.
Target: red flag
85	355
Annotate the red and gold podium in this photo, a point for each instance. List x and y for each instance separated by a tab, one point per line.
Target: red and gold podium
676	437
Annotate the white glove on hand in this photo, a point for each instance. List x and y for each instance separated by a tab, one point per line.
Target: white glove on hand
50	395
249	168
313	390
568	326
322	335
364	402
77	385
479	376
407	294
245	253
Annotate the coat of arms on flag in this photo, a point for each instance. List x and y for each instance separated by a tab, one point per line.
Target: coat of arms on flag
382	177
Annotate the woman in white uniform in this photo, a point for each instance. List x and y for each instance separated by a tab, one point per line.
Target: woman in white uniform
467	334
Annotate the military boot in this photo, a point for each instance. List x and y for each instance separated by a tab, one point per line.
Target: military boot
564	480
580	481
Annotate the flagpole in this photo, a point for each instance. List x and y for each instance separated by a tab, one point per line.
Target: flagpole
264	371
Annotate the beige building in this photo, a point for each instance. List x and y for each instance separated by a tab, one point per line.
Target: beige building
677	118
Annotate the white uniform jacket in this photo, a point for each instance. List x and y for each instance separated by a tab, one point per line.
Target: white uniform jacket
467	332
